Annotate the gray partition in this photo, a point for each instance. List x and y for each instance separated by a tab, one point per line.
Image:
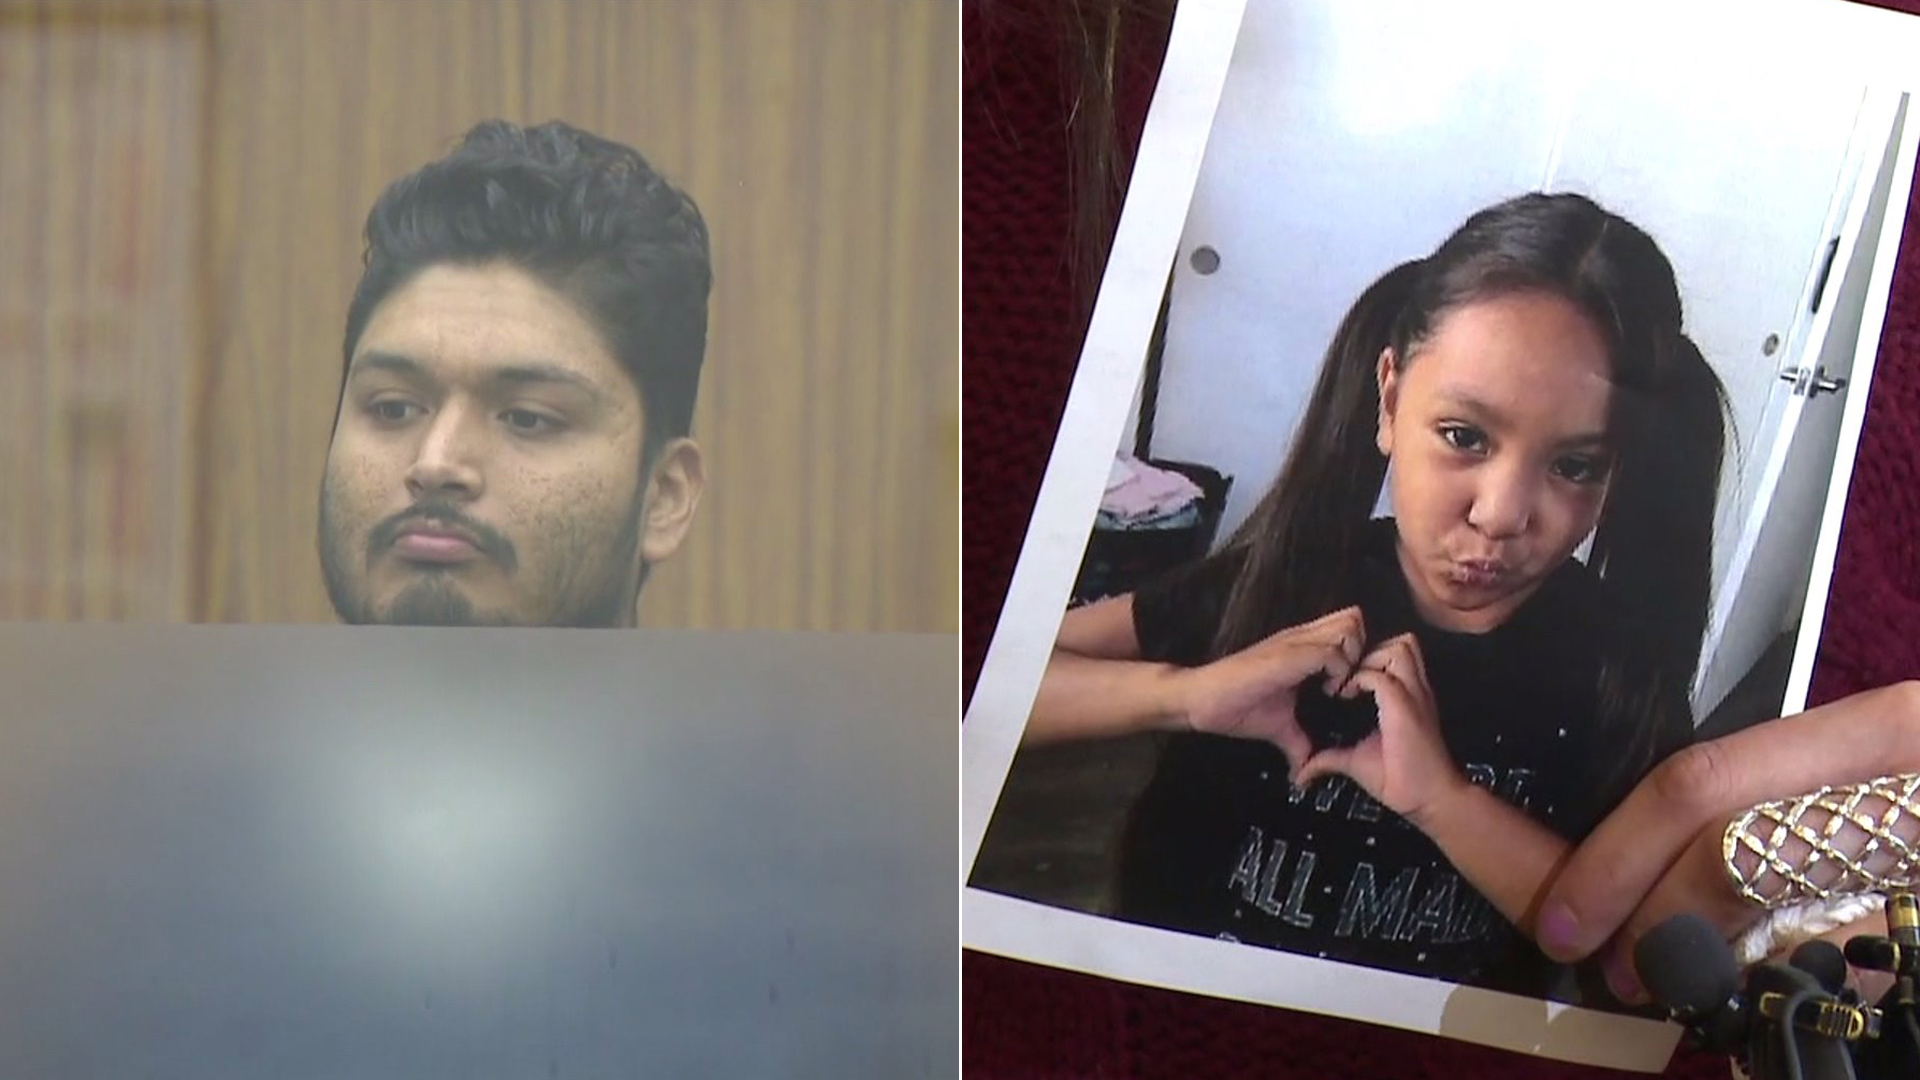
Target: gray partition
298	852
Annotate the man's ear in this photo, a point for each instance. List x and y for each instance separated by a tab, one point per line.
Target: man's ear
1389	384
673	494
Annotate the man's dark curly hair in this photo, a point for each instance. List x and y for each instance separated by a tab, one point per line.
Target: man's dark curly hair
587	216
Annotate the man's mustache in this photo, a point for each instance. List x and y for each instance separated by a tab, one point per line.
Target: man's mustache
487	540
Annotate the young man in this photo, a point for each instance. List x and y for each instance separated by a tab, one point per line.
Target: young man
522	355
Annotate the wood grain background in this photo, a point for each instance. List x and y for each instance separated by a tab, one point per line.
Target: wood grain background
182	189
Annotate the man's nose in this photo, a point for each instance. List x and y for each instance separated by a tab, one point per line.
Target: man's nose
447	463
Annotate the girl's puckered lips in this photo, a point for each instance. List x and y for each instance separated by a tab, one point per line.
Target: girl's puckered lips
1480	573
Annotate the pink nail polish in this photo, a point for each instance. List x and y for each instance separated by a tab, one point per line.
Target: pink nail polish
1559	932
1621	979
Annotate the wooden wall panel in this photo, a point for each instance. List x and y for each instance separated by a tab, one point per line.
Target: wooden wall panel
100	166
820	138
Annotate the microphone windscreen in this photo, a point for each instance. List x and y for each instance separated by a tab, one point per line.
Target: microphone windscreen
1779	979
1824	961
1686	965
1873	953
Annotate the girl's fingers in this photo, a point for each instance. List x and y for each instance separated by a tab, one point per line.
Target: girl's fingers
1386	688
1354	643
1349	620
1295	745
1418	660
1396	703
1400	658
1353	762
1325	763
1340	627
1338	667
1394	656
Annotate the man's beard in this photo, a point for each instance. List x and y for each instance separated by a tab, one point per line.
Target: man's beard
432	599
431	596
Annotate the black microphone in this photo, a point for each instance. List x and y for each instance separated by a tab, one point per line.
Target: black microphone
1800	1030
1689	969
1687	966
1903	918
1881	954
1824	961
1897	954
1898	1052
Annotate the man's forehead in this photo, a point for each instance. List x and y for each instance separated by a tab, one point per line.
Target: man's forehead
495	323
523	372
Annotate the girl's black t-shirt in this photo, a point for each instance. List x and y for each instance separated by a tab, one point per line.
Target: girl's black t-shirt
1220	844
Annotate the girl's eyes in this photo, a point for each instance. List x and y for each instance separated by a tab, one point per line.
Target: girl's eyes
1580	469
1464	437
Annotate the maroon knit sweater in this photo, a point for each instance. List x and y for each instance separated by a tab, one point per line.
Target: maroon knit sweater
1022	331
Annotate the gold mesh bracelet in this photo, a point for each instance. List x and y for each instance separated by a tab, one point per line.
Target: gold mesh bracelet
1838	841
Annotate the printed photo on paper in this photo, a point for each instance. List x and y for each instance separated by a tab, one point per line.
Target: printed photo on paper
1475	462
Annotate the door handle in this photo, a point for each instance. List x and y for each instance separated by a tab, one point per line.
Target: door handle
1813	382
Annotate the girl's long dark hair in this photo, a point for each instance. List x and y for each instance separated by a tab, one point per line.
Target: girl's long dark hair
1653	545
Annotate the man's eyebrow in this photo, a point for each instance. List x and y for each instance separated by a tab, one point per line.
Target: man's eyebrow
386	361
535	372
518	373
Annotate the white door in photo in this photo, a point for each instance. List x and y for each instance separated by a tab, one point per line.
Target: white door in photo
1761	220
1769	550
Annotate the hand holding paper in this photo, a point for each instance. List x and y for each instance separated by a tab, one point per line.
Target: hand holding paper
1659	853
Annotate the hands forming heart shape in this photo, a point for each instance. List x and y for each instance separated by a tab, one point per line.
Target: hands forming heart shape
1277	690
1331	720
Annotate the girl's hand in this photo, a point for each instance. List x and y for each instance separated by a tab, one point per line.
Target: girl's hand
1251	694
1405	765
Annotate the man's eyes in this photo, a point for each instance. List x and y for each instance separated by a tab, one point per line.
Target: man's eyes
393	410
529	422
518	419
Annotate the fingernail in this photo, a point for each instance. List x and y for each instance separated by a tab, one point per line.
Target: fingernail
1559	932
1621	978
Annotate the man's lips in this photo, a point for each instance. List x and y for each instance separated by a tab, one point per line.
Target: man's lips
435	546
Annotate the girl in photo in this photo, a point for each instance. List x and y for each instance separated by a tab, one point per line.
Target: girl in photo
1387	732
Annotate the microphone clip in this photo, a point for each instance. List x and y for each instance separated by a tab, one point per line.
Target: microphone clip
1825	1016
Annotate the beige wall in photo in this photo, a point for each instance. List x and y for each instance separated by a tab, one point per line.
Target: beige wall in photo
182	190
